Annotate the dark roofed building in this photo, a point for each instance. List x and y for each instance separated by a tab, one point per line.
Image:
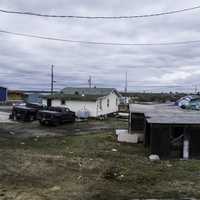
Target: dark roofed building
168	130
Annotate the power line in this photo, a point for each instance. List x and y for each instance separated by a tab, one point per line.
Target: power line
100	43
100	17
157	85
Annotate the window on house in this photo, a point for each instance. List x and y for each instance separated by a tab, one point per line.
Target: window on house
100	105
108	102
62	102
116	102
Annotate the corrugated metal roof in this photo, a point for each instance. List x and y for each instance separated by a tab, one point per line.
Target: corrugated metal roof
166	114
144	108
182	119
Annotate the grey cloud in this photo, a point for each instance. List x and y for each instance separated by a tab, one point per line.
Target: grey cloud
22	58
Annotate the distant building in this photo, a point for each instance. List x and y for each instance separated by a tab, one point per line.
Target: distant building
16	95
3	94
95	101
30	96
35	96
128	96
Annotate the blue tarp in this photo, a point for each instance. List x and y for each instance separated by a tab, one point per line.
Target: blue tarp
3	94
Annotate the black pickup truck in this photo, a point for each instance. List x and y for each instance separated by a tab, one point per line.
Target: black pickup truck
55	116
26	112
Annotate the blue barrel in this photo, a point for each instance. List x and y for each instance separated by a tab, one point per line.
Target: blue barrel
3	94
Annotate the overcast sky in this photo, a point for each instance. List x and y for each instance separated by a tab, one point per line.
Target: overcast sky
25	63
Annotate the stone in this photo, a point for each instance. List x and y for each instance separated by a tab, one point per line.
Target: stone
154	157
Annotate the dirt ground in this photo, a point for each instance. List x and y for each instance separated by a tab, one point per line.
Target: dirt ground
83	161
33	129
10	128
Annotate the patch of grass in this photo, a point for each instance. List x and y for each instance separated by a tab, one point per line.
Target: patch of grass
87	167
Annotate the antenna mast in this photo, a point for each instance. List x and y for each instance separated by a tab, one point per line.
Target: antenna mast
52	79
90	81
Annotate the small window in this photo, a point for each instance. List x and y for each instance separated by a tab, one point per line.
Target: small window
62	102
108	102
100	105
116	102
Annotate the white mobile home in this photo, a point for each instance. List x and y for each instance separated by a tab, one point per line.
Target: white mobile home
96	101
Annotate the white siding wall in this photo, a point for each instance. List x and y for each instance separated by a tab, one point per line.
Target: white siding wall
44	102
113	104
92	107
80	105
77	106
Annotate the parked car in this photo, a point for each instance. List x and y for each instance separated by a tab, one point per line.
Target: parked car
56	116
25	112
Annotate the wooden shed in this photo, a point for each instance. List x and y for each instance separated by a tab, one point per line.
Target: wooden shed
169	131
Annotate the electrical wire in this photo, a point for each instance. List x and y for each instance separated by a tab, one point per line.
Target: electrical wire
100	43
100	17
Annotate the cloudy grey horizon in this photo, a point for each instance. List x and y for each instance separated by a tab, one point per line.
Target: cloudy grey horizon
25	63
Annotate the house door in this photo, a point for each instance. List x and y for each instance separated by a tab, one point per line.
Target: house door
49	102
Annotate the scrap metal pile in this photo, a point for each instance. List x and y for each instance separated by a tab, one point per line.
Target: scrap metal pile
191	102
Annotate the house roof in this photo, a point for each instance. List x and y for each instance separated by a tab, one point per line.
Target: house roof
61	96
82	94
87	91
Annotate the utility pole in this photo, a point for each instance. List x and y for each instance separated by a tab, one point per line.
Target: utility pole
126	83
52	79
195	89
126	87
90	81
